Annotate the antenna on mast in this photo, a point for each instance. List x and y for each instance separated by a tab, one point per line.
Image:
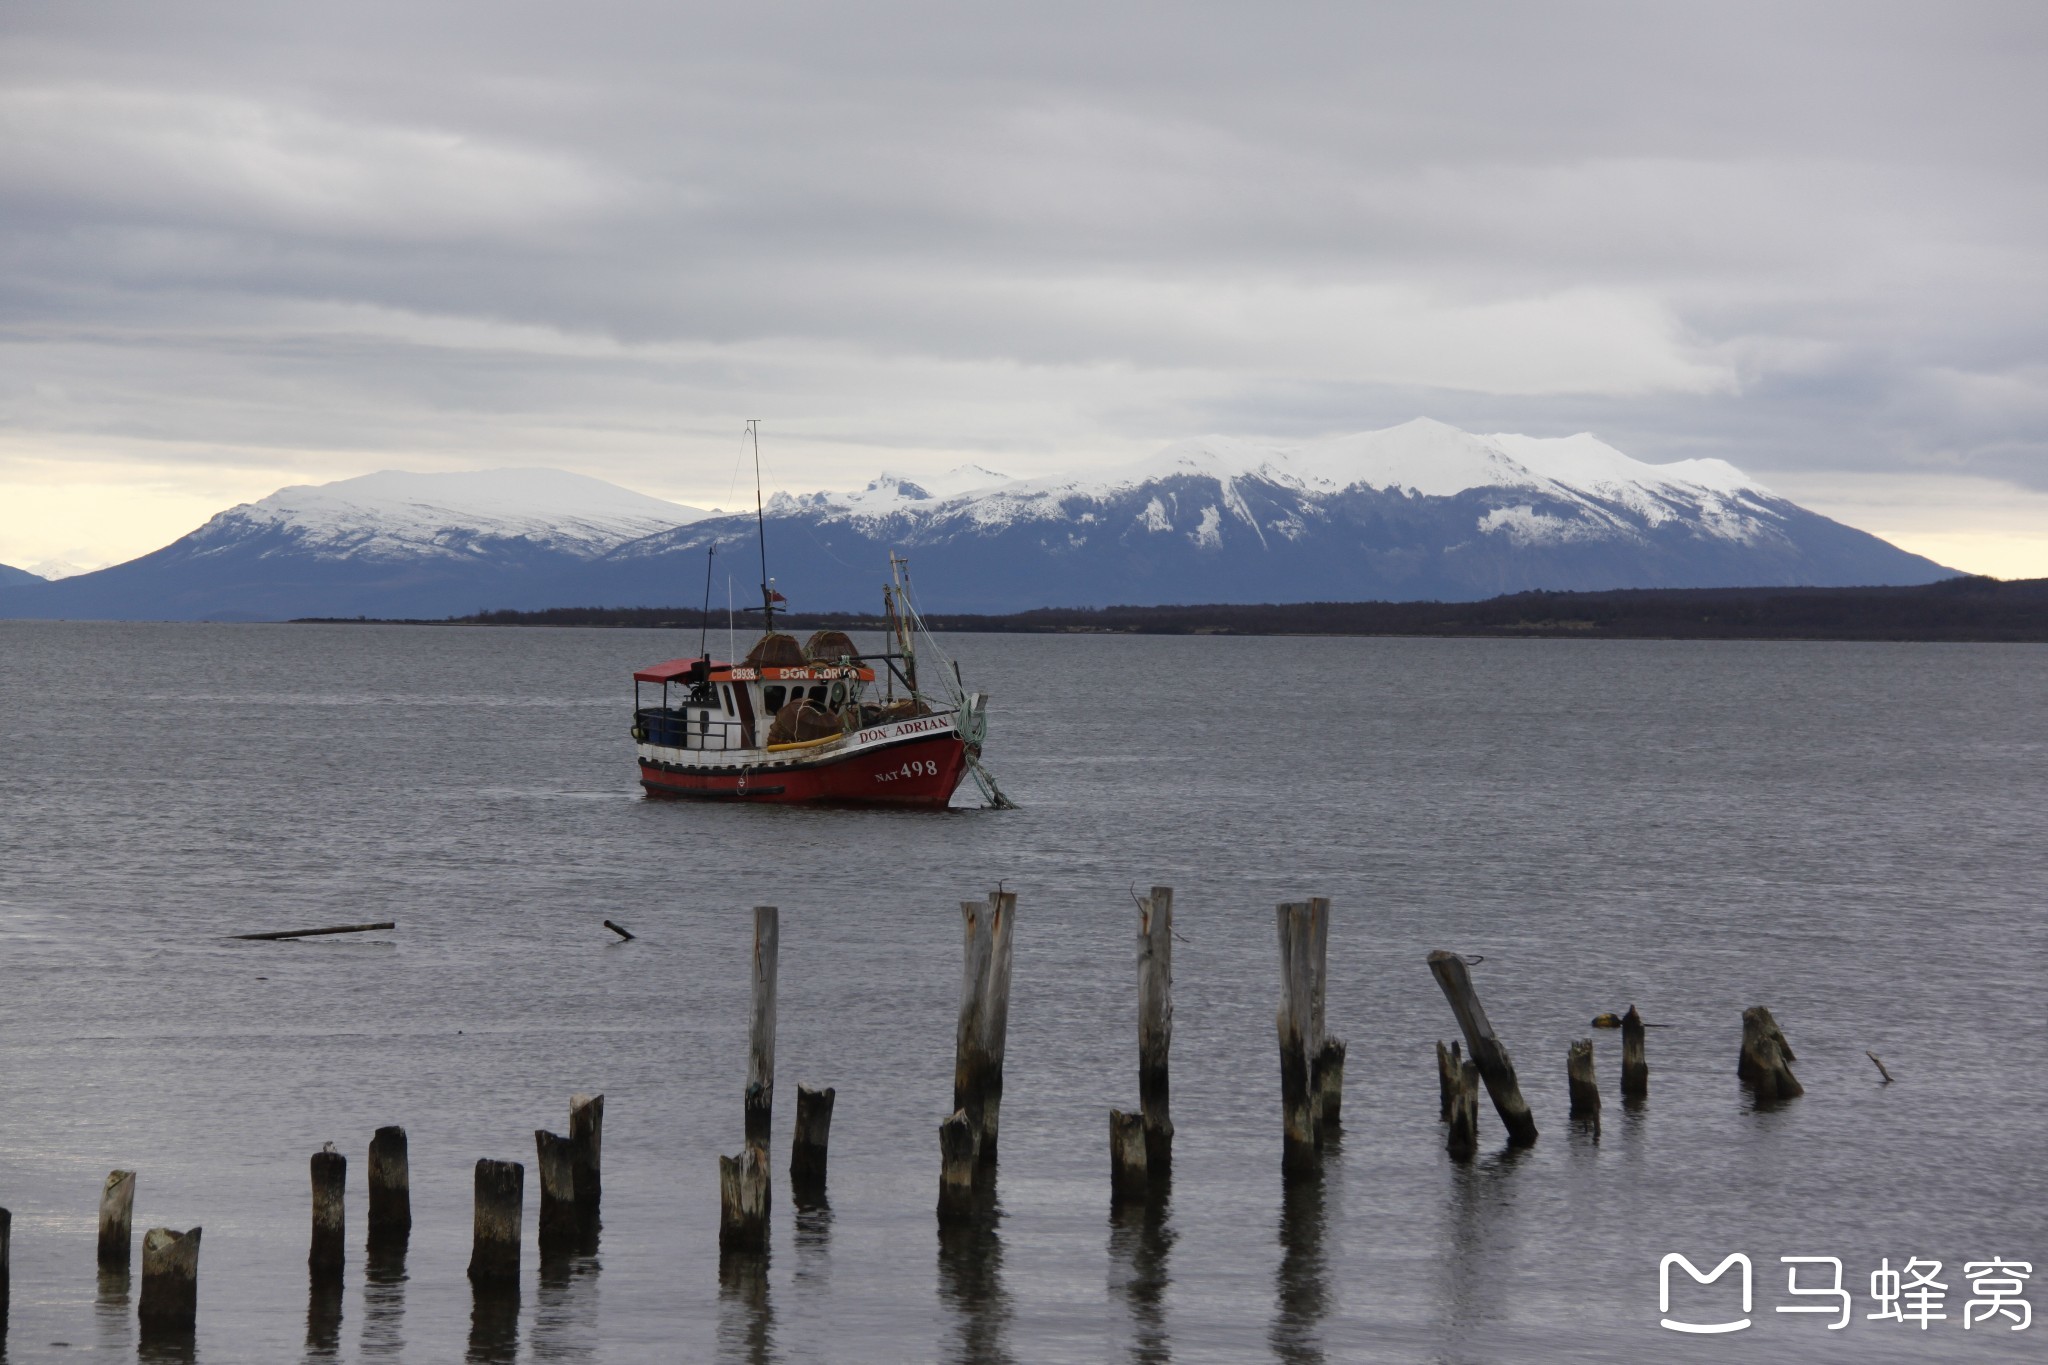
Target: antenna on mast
761	529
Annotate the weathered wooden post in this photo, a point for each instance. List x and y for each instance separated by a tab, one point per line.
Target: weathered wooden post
743	1201
996	1019
1635	1072
330	1192
170	1280
761	1027
1330	1084
555	1163
959	1160
390	1180
500	1210
1450	1065
586	1130
1155	1025
6	1244
808	1143
1293	1020
1326	1055
1462	1141
1765	1057
117	1210
1128	1176
1581	1081
1487	1052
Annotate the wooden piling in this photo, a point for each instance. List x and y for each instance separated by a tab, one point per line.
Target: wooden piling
586	1130
959	1159
1128	1176
1293	1020
1635	1072
1496	1068
1329	1072
6	1244
743	1201
495	1233
389	1178
981	1029
555	1163
1450	1065
1155	1025
761	1027
117	1210
808	1142
1764	1065
1462	1141
170	1279
1581	1080
996	1024
330	1228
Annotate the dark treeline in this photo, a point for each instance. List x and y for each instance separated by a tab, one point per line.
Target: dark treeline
1955	609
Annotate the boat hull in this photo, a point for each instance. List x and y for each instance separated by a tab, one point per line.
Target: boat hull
912	770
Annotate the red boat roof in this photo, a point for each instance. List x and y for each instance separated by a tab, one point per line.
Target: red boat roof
670	671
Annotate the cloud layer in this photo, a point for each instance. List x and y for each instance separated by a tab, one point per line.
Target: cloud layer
254	243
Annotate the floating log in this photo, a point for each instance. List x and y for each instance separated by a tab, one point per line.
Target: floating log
808	1143
1128	1177
586	1130
1155	1025
1293	1020
743	1201
555	1163
1635	1072
315	933
624	934
1764	1065
1880	1066
1449	1066
1462	1141
959	1160
330	1191
500	1208
1496	1068
390	1180
170	1279
761	1027
117	1209
1581	1080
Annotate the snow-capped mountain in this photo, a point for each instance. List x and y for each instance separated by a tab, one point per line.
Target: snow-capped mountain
1422	510
385	544
1417	511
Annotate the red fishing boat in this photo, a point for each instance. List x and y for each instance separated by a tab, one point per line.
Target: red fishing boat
816	721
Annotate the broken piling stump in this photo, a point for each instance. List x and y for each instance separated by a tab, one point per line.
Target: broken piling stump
743	1201
555	1163
1496	1068
807	1144
1155	1025
1461	1141
330	1193
1293	1021
117	1209
1326	1089
1450	1064
1581	1080
983	1022
996	1022
389	1178
959	1162
500	1210
1127	1165
1635	1072
170	1279
1766	1057
586	1130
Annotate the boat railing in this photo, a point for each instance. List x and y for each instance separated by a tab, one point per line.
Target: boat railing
690	728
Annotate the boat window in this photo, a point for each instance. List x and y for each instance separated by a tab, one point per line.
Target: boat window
773	696
818	695
725	691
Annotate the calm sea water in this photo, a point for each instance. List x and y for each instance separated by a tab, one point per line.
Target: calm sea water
1851	834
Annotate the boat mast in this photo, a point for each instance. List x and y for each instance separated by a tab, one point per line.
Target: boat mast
761	529
704	620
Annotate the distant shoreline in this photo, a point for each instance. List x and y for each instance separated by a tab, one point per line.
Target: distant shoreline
1956	610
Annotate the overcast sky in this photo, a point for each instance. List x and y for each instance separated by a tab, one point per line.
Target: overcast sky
247	245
